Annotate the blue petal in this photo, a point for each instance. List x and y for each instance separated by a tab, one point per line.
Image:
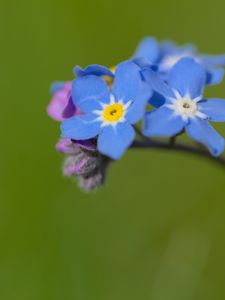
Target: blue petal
143	62
187	48
149	49
214	76
56	86
97	70
138	107
113	141
213	60
201	131
80	127
170	48
88	91
128	81
162	122
157	100
156	83
188	76
213	108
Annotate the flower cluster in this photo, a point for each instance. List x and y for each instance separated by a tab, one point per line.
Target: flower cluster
161	86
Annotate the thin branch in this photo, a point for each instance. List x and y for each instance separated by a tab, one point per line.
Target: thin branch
179	147
172	141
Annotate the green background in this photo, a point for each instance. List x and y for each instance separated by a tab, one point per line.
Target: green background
156	230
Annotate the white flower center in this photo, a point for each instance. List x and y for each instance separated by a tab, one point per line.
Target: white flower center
170	60
185	106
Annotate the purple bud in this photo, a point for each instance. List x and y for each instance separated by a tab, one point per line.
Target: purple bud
59	101
66	146
89	145
80	164
71	110
95	179
91	182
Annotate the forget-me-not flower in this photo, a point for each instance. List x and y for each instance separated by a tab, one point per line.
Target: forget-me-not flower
163	56
109	112
185	108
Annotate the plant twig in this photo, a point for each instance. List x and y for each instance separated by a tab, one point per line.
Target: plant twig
172	141
179	147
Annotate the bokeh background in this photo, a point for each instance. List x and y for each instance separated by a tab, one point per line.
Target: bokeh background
156	230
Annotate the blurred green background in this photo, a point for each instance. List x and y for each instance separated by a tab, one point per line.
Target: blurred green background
156	230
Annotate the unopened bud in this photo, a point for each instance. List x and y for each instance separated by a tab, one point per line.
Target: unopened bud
80	164
96	179
66	146
91	182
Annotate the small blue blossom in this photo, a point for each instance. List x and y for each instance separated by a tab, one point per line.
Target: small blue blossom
163	56
109	113
100	107
185	108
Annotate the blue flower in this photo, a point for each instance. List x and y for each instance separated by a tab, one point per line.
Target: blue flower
109	112
184	107
163	56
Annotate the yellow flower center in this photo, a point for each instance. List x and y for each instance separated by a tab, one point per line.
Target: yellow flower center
113	112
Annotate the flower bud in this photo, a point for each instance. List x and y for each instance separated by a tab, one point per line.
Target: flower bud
95	179
91	182
80	164
66	146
